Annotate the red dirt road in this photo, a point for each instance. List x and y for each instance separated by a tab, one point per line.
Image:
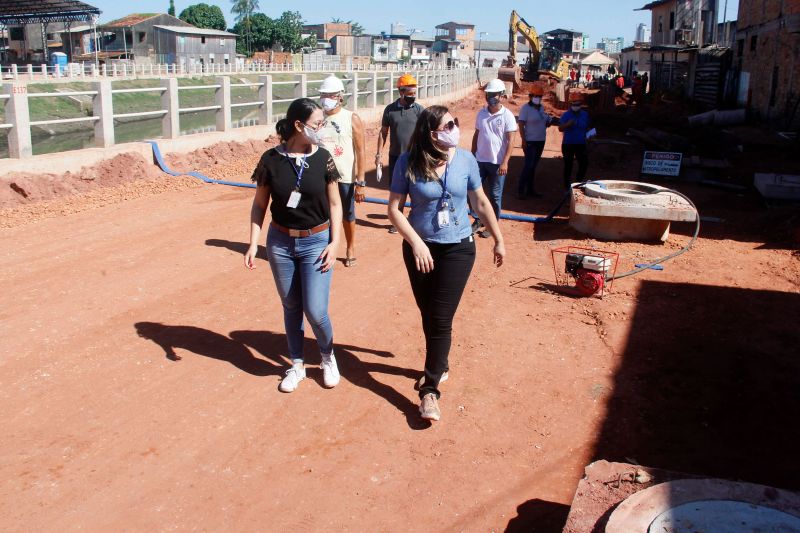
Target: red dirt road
104	431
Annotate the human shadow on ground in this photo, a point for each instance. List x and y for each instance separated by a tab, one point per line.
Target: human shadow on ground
238	247
358	372
708	383
207	343
538	516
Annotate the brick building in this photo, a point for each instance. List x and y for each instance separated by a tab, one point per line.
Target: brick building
768	59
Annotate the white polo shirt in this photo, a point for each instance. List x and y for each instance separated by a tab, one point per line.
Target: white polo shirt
492	129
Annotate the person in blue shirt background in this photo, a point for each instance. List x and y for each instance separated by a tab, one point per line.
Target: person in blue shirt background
575	123
438	247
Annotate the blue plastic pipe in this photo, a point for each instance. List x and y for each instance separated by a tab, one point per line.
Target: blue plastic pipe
163	166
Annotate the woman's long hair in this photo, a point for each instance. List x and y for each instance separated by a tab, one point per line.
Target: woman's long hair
423	155
300	109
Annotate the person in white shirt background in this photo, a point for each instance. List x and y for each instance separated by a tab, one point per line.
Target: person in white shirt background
343	136
495	126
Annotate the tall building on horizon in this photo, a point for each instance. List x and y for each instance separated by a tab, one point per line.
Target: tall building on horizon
611	45
642	33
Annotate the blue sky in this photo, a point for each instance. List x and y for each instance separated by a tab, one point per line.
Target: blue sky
609	18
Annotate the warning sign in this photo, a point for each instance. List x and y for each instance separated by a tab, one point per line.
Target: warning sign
662	163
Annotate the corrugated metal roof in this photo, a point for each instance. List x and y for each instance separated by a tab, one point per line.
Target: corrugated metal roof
42	11
651	5
195	31
130	20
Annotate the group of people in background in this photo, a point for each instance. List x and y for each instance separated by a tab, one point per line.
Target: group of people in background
312	180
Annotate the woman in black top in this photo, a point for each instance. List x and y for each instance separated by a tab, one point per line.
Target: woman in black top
300	179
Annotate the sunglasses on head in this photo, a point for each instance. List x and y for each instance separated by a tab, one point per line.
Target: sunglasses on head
448	126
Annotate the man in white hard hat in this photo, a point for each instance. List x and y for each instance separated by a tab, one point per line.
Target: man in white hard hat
343	137
492	145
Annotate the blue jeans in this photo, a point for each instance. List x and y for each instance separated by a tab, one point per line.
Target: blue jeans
527	178
302	286
493	185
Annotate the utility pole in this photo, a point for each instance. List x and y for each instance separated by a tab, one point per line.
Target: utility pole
478	62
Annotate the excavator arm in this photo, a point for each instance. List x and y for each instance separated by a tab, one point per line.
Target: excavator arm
519	25
554	65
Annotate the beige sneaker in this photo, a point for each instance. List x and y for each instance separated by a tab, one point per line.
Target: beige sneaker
429	407
418	384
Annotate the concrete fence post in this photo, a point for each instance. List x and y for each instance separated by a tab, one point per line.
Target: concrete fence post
222	98
352	103
372	87
30	71
170	124
301	89
389	86
103	108
265	115
14	73
18	115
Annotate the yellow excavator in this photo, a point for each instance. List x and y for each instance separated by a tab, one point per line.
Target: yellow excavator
543	59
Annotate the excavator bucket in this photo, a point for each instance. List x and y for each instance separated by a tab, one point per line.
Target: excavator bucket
512	74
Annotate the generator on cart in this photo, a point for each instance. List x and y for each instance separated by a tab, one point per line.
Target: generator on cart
583	271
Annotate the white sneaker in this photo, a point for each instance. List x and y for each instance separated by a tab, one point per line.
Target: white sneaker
418	384
294	376
330	372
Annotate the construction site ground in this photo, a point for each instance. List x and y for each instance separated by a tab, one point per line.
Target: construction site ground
140	360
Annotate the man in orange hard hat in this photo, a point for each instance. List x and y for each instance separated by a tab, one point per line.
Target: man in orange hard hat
399	121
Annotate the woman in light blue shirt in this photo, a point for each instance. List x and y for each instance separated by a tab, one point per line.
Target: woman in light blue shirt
438	247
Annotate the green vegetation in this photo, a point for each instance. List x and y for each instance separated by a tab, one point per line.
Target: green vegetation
262	33
204	16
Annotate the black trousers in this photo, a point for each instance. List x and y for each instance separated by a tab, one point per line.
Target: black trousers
438	294
570	152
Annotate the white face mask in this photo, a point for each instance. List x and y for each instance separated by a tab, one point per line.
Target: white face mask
329	104
312	136
576	108
536	100
450	138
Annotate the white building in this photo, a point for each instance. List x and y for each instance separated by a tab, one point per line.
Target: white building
611	45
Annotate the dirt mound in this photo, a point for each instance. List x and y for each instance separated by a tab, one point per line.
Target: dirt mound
22	188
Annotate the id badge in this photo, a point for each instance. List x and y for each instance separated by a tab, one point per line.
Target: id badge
294	199
443	218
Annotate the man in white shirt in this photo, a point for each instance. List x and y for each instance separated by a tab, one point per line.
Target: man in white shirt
491	144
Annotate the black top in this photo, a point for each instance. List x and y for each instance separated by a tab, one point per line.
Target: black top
277	171
401	121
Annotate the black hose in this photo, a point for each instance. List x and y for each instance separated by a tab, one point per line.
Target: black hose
672	255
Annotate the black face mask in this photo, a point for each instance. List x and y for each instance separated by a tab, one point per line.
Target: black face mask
409	99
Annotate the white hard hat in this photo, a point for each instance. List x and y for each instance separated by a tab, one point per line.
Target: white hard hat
495	86
331	85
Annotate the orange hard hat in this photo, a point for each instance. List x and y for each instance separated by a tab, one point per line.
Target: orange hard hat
407	80
537	90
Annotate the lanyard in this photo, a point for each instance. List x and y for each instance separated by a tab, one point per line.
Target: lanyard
298	172
445	195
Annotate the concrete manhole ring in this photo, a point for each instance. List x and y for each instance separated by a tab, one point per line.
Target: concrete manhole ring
690	505
633	192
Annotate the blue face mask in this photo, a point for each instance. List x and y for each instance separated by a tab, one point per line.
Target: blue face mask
493	101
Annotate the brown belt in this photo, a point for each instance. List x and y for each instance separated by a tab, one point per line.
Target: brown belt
301	232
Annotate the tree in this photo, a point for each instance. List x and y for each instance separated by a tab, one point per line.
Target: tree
243	11
262	34
289	30
171	10
204	16
356	28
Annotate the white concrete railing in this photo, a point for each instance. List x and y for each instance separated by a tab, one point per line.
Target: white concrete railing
133	70
380	90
